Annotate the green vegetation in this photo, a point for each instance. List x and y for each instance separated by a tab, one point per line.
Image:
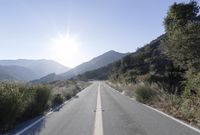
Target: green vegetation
182	43
58	99
170	64
36	100
144	93
192	86
19	102
12	105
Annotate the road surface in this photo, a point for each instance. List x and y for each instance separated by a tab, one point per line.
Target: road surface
101	110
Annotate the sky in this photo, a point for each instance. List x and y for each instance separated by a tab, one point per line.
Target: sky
74	31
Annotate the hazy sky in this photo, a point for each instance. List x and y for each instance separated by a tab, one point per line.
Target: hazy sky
74	31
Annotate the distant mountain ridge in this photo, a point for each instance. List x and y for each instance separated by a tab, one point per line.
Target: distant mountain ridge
26	70
95	63
16	73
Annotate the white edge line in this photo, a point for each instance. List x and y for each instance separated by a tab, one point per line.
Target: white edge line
49	113
43	117
173	118
169	116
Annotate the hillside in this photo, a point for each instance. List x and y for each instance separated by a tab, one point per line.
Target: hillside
146	59
146	64
39	67
165	74
102	73
95	63
46	79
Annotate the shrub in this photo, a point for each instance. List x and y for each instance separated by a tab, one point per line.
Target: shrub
20	102
11	104
69	93
37	101
144	93
192	87
58	99
187	109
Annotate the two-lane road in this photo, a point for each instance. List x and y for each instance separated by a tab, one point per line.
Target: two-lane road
101	110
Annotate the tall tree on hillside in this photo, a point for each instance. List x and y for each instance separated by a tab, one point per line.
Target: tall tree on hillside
182	43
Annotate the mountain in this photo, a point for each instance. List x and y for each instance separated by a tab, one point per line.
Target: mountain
95	63
146	59
40	67
16	73
48	78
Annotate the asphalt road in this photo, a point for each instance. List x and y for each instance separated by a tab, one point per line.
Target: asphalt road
101	110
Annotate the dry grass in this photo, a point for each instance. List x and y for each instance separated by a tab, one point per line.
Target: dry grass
187	110
69	88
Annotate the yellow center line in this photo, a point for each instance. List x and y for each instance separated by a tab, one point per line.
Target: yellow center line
98	127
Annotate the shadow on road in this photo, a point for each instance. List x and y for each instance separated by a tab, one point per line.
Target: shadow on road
56	109
76	96
34	130
38	126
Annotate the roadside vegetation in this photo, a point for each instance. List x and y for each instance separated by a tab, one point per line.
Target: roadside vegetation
166	73
20	102
144	93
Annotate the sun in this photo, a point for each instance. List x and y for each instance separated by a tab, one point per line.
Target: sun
65	48
65	45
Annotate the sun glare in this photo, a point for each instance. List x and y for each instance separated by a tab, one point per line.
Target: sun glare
65	47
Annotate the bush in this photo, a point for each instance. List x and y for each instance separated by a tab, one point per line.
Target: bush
18	102
38	101
58	99
187	109
144	93
192	87
69	93
11	104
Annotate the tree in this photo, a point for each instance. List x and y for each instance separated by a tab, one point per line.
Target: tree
182	42
180	14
